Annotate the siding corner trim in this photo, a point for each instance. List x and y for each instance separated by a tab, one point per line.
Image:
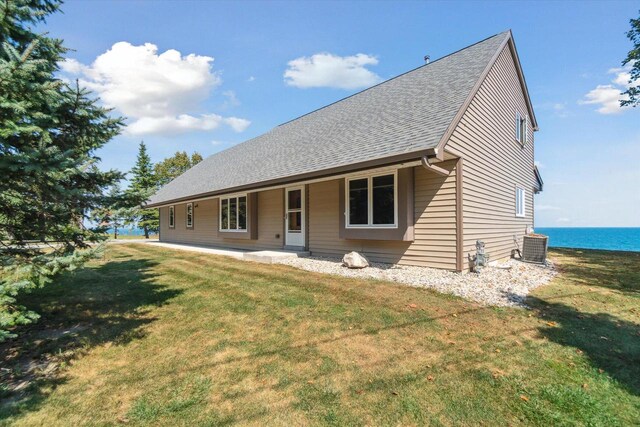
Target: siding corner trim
459	217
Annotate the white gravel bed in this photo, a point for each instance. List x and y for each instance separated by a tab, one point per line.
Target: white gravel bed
506	284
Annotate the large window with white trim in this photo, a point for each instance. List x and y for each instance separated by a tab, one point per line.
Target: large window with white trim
189	215
233	213
520	201
172	217
372	201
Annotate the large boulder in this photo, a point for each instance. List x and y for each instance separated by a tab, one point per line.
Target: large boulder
354	260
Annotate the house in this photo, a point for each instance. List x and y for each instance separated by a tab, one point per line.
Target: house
412	171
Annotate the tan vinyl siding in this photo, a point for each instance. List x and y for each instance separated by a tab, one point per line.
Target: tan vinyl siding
271	218
324	228
435	224
205	224
495	163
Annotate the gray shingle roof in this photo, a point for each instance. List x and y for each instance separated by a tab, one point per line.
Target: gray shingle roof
406	114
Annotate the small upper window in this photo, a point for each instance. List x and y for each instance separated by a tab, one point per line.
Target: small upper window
233	214
371	201
189	215
520	201
522	129
172	217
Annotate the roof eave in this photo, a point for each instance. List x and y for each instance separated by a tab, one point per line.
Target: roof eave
539	180
456	120
463	108
355	167
523	82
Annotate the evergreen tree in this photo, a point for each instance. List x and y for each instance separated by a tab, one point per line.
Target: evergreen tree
143	176
114	213
49	133
172	167
633	59
142	186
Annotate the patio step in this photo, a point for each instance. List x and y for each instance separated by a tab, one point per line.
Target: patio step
269	257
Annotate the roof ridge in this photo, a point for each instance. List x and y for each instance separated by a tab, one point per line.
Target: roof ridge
391	78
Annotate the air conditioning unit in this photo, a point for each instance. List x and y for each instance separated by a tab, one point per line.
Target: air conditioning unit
534	248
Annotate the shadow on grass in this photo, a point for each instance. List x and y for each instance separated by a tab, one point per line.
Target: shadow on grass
104	304
611	344
615	270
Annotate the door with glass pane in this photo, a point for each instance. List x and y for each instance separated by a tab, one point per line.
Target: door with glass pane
294	217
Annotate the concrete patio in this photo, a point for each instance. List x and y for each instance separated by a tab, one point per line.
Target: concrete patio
267	257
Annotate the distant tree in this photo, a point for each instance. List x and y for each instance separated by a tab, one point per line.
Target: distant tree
633	59
172	167
114	213
49	178
142	186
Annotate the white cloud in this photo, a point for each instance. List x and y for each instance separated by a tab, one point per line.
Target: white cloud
72	66
539	164
251	79
328	70
608	96
173	124
563	220
623	76
237	124
158	92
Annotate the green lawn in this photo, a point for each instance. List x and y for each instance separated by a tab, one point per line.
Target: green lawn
157	337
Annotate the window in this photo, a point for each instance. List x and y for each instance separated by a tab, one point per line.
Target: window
294	211
522	129
520	198
172	217
372	201
358	201
383	209
189	215
233	213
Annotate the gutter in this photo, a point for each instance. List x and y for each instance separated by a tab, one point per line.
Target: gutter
435	155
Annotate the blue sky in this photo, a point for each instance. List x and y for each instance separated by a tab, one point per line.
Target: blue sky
588	151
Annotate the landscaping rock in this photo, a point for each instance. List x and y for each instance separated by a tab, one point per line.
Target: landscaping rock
355	260
499	284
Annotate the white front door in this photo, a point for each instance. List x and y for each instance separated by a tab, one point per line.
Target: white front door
294	216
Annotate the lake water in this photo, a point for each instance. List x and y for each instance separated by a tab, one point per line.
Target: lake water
619	239
127	231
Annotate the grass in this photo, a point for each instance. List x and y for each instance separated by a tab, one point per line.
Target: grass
149	336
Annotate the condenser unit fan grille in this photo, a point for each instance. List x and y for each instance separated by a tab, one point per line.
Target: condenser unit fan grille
534	249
